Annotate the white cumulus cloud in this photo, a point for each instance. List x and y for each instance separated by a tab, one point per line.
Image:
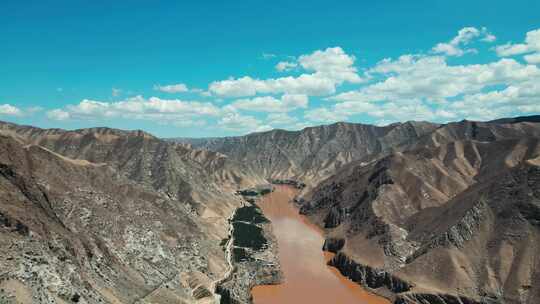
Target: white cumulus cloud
533	58
466	35
329	68
430	77
325	115
234	121
7	109
332	63
308	84
531	44
137	108
58	114
281	119
116	92
172	88
287	103
423	86
284	66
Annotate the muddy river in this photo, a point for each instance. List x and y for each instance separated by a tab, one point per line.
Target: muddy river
307	277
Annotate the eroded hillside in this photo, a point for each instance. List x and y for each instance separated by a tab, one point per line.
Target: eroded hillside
420	212
455	219
109	216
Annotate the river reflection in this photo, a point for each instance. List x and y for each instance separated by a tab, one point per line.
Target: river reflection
307	277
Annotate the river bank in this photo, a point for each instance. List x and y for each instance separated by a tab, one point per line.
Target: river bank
251	252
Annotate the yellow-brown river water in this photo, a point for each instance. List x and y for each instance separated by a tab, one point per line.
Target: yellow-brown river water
307	277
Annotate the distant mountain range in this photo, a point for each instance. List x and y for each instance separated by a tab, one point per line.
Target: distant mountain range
418	211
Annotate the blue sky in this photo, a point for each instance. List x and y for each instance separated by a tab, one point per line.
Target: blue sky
214	68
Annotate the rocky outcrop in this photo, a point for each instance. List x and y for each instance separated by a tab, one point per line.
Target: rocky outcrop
13	225
333	244
456	235
334	217
368	276
376	279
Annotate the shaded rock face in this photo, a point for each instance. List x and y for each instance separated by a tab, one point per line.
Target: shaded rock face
334	217
333	245
368	276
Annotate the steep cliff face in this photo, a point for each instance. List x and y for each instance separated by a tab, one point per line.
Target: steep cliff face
457	221
312	153
368	276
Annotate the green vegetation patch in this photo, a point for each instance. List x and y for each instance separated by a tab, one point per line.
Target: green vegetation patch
248	236
265	191
251	214
258	191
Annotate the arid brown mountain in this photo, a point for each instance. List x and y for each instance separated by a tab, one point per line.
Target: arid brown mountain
312	153
436	214
109	216
164	166
455	217
420	212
